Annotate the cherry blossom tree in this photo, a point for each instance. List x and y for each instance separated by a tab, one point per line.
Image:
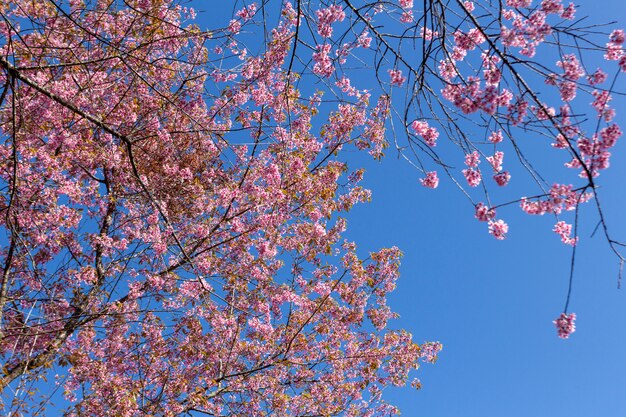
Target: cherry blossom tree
174	197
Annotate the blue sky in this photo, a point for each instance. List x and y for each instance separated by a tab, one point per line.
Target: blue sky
491	303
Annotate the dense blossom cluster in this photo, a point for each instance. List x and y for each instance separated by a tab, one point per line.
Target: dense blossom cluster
326	17
188	239
498	228
173	199
564	230
565	325
431	180
396	78
429	134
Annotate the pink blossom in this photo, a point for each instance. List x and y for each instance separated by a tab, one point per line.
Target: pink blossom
498	228
561	197
496	161
428	34
247	13
396	77
468	41
484	213
472	176
543	112
505	97
472	159
517	111
502	178
569	12
598	77
560	142
495	137
234	27
565	325
601	100
564	230
492	75
407	16
430	350
614	49
431	180
609	136
326	17
551	79
364	40
552	6
518	3
323	64
617	37
571	67
430	134
447	69
608	114
567	90
346	87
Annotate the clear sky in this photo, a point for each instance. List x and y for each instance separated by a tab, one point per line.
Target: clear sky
491	303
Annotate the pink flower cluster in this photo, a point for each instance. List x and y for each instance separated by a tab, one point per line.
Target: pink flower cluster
428	34
615	49
407	16
498	228
447	69
598	77
518	3
517	111
484	213
364	40
526	32
326	17
569	12
565	325
565	231
323	64
495	137
430	350
472	159
601	104
496	161
431	180
396	77
234	26
470	40
470	97
429	134
502	178
552	6
559	198
472	173
595	150
247	12
407	13
472	176
572	71
492	73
